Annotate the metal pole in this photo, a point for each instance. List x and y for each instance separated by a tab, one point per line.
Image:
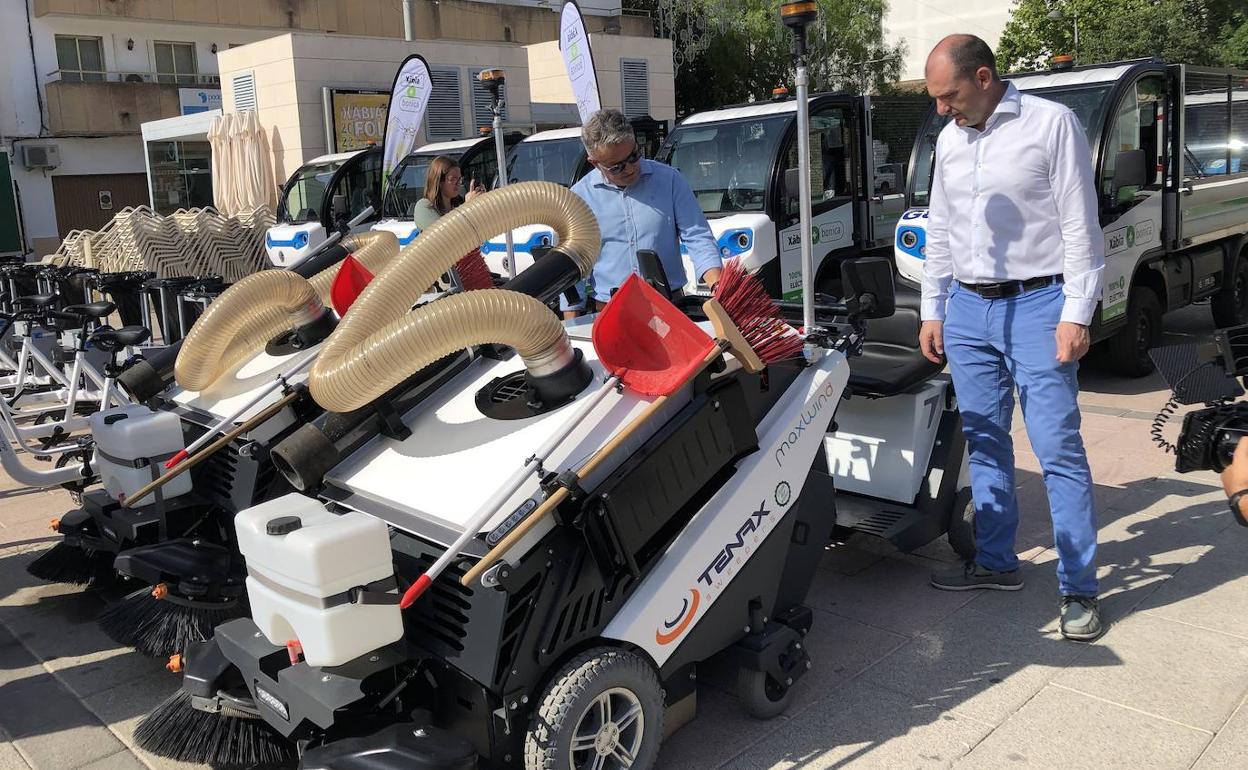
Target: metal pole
407	19
803	215
500	150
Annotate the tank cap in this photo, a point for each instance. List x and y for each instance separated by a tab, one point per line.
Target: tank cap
283	525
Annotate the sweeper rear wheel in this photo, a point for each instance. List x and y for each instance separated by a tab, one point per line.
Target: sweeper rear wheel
604	710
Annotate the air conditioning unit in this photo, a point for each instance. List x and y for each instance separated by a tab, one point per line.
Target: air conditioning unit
41	155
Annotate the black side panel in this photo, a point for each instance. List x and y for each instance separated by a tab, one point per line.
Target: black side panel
405	746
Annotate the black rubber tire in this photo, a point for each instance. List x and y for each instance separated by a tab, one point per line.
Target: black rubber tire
962	525
762	696
572	691
1230	305
1126	353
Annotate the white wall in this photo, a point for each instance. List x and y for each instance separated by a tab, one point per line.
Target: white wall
588	7
922	23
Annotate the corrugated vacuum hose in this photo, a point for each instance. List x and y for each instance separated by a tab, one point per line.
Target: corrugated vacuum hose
382	341
258	308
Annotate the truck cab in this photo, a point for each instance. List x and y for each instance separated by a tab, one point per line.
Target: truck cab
305	213
1169	145
742	165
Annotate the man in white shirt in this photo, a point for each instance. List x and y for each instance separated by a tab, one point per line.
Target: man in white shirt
1011	280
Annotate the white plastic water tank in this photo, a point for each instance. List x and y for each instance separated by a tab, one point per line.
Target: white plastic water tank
131	441
302	562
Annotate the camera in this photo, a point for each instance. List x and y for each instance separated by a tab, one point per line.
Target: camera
1206	373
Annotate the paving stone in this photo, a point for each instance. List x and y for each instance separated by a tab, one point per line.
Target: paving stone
1137	553
50	727
845	559
1212	591
72	645
16	662
978	665
1061	728
122	708
864	726
890	594
10	759
122	760
1175	671
1229	747
721	730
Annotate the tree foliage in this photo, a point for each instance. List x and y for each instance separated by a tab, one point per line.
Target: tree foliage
1210	32
732	51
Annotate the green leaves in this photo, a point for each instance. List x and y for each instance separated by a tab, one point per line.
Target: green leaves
1112	30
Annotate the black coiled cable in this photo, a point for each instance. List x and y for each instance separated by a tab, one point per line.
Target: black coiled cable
1159	423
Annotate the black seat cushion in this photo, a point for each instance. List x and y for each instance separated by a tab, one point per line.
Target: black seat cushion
112	340
37	300
891	361
92	309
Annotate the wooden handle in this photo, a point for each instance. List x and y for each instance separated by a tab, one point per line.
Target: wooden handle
211	449
531	521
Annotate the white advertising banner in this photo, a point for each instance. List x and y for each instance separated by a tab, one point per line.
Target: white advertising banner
408	98
579	61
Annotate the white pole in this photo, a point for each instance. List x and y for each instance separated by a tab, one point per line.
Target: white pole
500	150
803	205
407	19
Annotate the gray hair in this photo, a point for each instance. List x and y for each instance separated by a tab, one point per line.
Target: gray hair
605	128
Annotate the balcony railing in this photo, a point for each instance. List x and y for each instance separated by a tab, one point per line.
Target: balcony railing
132	76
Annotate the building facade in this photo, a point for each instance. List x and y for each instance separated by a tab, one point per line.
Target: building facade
922	23
80	77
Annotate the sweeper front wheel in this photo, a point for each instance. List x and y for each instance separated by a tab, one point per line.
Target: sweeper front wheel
762	696
603	710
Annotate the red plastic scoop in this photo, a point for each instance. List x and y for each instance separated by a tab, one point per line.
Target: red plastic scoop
351	279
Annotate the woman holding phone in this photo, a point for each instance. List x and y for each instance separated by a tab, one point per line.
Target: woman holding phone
442	186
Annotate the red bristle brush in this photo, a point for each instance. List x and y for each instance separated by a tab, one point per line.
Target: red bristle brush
473	273
756	315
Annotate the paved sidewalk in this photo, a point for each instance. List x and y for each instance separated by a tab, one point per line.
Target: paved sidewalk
904	677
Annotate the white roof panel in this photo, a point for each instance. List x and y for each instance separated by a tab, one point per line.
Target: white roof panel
760	109
1086	77
335	157
557	133
459	145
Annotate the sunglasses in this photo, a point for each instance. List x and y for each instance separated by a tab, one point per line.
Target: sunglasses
616	168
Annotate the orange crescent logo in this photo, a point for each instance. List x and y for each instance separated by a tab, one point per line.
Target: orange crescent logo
691	610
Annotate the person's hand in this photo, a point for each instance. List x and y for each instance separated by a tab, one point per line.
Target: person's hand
711	277
1235	475
932	341
475	188
1072	341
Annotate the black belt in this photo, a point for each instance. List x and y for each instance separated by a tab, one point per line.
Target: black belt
1006	289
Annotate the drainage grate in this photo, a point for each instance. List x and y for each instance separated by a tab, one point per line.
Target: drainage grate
509	388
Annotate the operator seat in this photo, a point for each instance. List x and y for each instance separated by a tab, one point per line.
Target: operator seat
891	361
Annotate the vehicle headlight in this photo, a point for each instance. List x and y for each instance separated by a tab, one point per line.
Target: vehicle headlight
735	242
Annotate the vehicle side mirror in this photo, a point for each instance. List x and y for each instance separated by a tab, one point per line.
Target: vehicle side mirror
1130	169
792	184
868	283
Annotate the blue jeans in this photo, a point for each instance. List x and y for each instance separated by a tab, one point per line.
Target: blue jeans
993	346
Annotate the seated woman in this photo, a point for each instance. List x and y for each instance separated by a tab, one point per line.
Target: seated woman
442	183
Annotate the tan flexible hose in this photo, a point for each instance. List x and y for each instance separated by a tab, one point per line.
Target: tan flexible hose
261	306
379	343
373	250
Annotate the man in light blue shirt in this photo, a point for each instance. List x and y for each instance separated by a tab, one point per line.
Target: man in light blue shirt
639	204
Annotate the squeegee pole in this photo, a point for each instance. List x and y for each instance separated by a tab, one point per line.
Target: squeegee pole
509	487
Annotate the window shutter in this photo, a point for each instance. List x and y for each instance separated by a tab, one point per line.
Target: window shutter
244	87
635	86
445	116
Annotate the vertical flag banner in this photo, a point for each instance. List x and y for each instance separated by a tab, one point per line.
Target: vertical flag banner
579	61
408	98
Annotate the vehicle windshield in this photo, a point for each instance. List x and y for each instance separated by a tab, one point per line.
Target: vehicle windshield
407	186
303	198
728	164
551	160
1087	102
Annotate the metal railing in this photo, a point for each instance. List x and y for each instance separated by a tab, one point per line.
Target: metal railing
132	76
